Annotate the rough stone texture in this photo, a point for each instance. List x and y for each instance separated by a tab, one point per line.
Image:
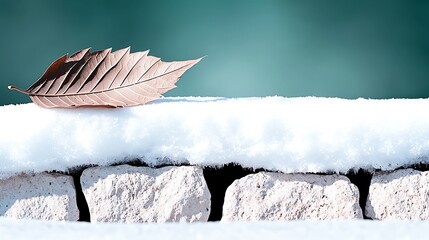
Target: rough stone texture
142	194
41	196
402	194
278	196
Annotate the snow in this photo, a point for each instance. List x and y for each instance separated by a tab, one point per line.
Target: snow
306	134
340	229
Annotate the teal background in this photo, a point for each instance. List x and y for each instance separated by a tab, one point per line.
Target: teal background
341	48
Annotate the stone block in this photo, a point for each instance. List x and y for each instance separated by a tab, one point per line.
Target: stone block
279	196
141	194
39	196
401	194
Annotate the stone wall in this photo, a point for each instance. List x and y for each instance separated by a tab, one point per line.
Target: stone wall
132	194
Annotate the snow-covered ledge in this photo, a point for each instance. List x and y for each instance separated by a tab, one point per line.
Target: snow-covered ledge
284	134
287	135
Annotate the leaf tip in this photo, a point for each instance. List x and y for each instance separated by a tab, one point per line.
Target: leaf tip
197	60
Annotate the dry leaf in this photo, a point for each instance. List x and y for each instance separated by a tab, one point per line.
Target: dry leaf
105	79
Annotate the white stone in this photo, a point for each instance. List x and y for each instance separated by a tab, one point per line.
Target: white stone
141	194
402	194
278	196
40	196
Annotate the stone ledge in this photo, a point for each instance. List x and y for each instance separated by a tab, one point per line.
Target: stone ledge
170	194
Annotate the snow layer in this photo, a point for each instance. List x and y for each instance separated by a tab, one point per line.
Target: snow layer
287	134
343	229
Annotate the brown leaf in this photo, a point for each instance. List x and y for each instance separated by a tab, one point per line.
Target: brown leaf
105	79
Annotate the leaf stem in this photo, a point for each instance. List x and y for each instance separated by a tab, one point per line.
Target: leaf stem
17	89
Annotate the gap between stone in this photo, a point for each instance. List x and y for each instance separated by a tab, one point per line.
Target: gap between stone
362	179
218	179
82	205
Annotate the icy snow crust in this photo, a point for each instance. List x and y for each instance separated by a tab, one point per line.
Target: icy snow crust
341	229
286	134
